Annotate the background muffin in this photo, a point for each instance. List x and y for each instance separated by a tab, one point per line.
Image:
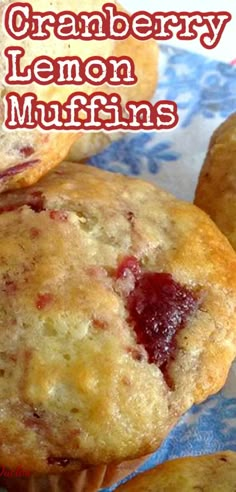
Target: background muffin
144	55
216	190
213	473
26	155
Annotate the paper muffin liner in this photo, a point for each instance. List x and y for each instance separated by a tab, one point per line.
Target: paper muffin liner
90	480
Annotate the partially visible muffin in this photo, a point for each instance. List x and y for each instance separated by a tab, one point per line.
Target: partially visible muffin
145	57
216	190
213	473
117	313
26	155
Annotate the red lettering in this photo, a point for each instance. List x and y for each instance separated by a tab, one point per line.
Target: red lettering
21	22
45	70
27	112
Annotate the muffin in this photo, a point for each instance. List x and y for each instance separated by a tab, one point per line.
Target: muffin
118	312
216	191
27	155
145	56
213	473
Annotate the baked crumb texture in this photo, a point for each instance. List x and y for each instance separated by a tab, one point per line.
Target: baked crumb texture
117	313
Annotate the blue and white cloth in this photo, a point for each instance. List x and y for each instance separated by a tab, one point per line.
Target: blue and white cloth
205	91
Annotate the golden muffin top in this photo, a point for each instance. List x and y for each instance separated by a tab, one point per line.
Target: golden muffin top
117	313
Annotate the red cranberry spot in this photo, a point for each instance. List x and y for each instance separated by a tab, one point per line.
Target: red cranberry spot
34	232
27	151
129	264
43	300
58	215
35	201
18	168
10	286
100	324
9	208
158	308
54	460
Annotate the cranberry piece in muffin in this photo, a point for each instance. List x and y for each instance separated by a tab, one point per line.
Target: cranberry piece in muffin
159	307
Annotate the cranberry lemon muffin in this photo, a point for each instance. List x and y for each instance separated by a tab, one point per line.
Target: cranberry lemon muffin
118	312
27	155
212	473
145	57
216	191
